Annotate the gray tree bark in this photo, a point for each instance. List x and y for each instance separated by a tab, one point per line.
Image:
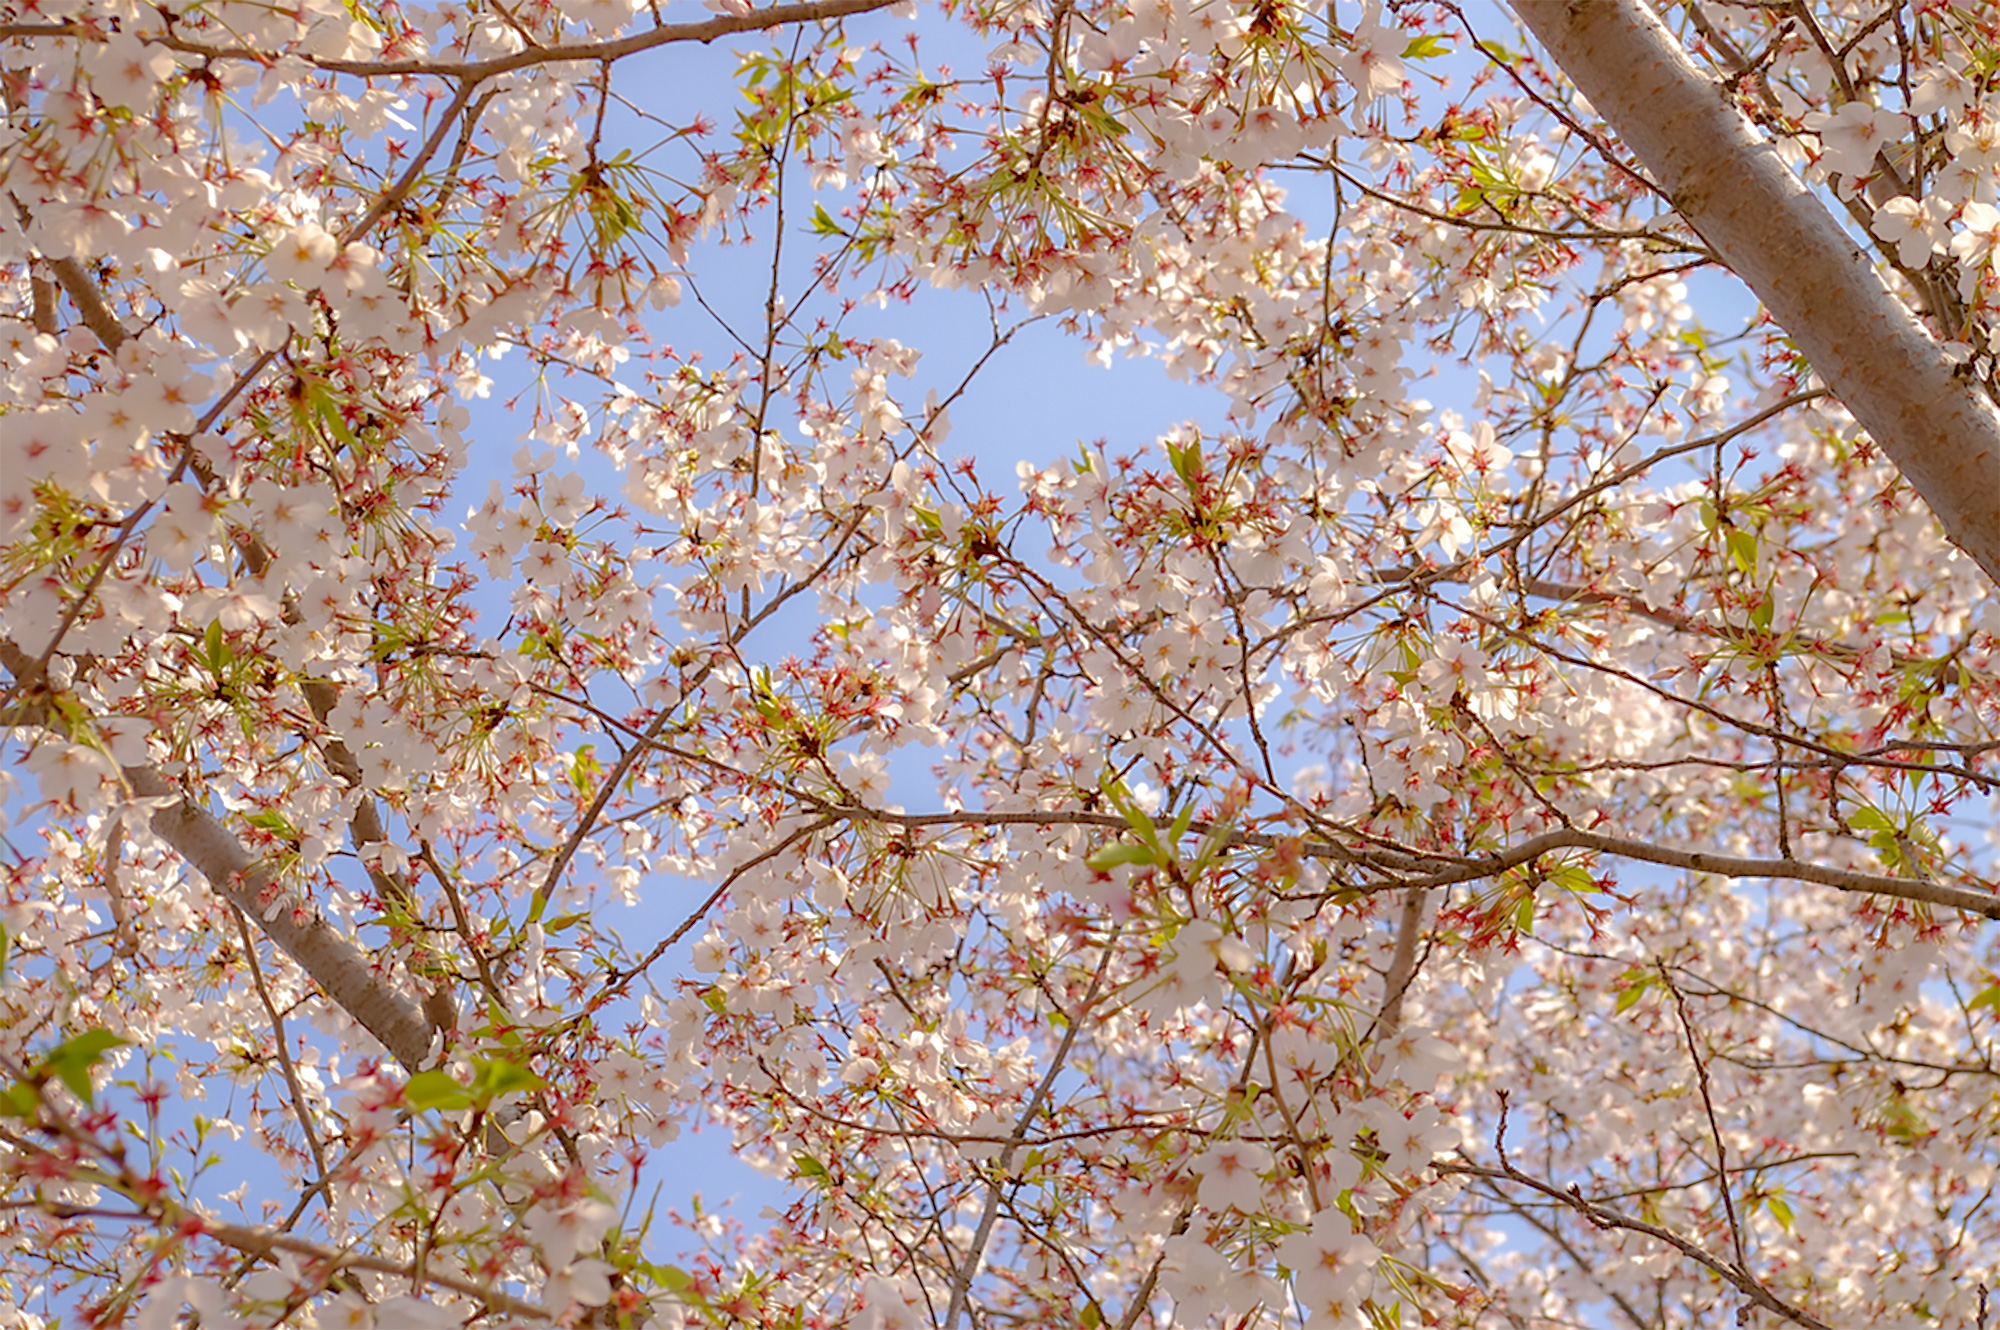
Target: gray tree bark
1941	431
346	972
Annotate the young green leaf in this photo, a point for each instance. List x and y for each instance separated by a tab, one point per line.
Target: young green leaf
1121	852
72	1060
435	1089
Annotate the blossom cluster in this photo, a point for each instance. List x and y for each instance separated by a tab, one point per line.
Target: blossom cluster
1494	829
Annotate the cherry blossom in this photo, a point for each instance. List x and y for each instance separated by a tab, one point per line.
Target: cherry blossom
525	633
1851	136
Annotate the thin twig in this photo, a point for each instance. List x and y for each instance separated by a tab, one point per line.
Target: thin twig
299	1109
1714	1127
1604	1217
961	1283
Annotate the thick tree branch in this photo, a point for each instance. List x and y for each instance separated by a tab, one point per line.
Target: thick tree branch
1921	891
1403	966
90	303
1444	870
1942	431
708	30
81	288
343	970
42	307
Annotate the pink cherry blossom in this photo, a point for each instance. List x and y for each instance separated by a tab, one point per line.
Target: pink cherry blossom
1198	665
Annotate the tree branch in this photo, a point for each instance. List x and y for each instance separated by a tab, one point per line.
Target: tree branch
961	1282
1603	1216
90	303
1941	431
1403	965
343	970
300	1109
708	30
1425	870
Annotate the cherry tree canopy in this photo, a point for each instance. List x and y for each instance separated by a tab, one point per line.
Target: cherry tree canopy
1497	835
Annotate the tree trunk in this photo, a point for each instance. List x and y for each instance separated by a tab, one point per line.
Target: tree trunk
1942	431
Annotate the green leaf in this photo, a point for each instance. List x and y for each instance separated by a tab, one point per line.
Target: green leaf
1633	991
1870	818
435	1089
1485	173
1742	549
1574	877
329	415
823	223
1988	996
19	1100
494	1077
1424	47
71	1061
1135	817
1903	1122
6	942
1524	914
584	768
810	1167
921	92
1121	852
388	640
1780	1211
218	653
275	822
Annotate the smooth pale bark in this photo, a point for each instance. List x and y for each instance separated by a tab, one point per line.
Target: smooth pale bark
1941	431
340	967
342	970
